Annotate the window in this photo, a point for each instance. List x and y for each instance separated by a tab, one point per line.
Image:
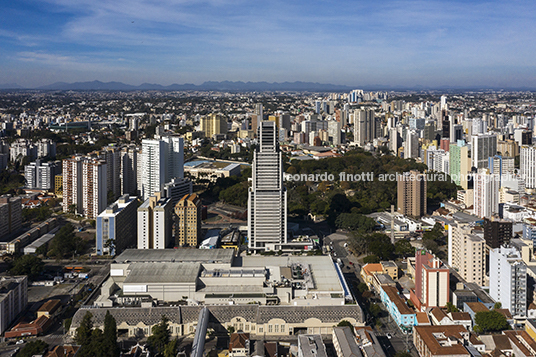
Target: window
270	328
283	328
261	330
276	328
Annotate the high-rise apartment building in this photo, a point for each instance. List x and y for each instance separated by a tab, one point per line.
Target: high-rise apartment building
13	299
411	145
188	212
483	146
112	157
10	214
72	184
267	199
486	193
366	126
411	194
213	124
432	281
460	164
129	170
334	131
497	231
41	174
116	230
162	160
508	280
94	187
85	186
527	165
155	223
466	253
177	188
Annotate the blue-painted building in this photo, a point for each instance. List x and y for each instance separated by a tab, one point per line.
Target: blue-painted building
117	224
404	316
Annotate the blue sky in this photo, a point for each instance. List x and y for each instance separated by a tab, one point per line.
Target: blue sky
357	43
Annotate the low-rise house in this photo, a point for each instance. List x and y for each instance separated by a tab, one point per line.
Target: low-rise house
404	316
345	343
439	317
239	345
368	342
461	318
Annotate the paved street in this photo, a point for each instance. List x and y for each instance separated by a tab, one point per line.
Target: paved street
398	341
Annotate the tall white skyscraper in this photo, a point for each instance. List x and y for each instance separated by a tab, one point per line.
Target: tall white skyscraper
527	165
161	160
508	279
486	193
267	200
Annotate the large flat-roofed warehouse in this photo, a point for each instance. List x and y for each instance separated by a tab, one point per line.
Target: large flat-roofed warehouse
215	277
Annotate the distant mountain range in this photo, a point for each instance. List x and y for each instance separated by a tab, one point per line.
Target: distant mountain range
216	86
246	87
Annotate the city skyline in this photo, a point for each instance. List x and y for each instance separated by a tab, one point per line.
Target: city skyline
395	43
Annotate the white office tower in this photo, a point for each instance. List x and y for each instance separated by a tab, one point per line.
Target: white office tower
527	165
267	200
129	170
486	193
162	160
411	145
508	280
483	146
443	102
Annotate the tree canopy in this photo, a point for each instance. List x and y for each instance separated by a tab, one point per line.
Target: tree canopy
28	265
490	321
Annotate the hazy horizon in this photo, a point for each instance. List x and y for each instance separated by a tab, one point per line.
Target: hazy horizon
394	43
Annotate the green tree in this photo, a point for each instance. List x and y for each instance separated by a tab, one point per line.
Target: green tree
171	348
344	323
403	248
160	336
83	332
490	321
371	259
28	265
33	348
381	246
110	336
375	310
451	307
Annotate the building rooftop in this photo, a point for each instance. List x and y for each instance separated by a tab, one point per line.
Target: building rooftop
155	273
442	340
395	298
224	256
312	346
322	268
347	342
